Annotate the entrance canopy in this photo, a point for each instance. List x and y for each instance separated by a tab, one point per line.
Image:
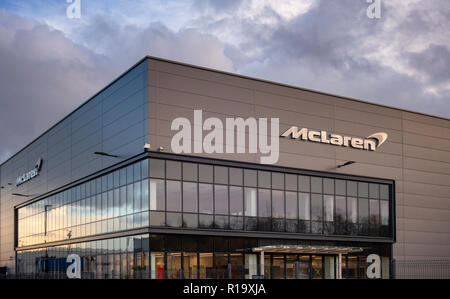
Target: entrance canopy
307	249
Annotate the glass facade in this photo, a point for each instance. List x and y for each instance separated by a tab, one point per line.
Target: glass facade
167	194
192	257
190	195
114	202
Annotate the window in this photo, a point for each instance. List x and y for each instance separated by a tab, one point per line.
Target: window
190	197
374	212
316	207
328	186
352	208
352	189
304	206
174	196
236	201
363	189
291	205
250	202
384	212
205	198
220	175
157	169
316	185
291	182
277	204
264	179
173	169
363	210
205	173
374	191
277	180
220	200
264	205
236	177
304	183
340	209
384	191
329	208
157	195
250	178
340	187
190	172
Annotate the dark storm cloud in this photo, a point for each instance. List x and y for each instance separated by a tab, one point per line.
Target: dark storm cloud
401	60
331	47
434	62
44	75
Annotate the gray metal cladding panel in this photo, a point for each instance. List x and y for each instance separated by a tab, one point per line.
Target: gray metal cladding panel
129	134
87	168
86	130
88	113
129	149
57	148
123	93
86	156
124	122
69	146
64	131
133	73
86	143
59	170
133	101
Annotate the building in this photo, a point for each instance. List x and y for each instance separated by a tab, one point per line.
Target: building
150	179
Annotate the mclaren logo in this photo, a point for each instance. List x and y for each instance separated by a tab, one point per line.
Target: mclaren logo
30	174
371	143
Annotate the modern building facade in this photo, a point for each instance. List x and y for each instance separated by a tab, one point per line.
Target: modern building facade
143	181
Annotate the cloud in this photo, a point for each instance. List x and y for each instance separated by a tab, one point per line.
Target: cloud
44	75
401	60
434	63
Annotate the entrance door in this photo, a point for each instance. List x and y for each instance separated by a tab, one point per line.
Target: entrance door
317	266
298	267
291	267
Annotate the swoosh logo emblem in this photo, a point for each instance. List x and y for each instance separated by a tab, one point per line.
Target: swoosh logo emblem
380	137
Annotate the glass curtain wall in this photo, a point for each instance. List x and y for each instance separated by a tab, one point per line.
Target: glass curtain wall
190	257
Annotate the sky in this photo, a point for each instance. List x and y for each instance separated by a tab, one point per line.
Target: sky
50	63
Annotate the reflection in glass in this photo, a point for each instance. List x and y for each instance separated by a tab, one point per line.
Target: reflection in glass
250	202
352	210
291	205
190	197
278	266
221	265
316	207
264	207
236	201
173	196
174	265
157	265
205	198
384	212
304	206
190	265
329	208
157	195
374	212
277	204
220	200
